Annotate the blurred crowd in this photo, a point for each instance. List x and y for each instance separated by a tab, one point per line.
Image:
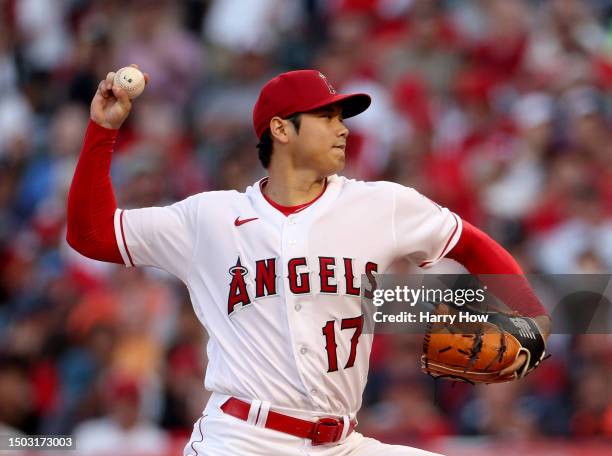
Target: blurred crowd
499	110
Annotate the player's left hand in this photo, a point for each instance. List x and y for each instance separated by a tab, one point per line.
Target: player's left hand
543	323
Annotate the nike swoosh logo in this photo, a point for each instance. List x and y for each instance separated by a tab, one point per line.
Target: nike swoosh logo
239	222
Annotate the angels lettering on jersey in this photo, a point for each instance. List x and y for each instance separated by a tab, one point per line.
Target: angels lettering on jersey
333	274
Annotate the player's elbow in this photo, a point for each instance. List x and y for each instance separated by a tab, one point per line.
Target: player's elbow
77	227
80	244
94	245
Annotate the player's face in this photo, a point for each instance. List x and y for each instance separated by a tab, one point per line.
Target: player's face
321	142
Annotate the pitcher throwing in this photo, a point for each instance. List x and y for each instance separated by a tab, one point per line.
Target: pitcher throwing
274	273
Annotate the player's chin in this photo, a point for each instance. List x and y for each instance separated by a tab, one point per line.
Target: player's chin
338	158
337	164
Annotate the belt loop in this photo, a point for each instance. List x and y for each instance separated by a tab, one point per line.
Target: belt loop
263	414
253	411
346	424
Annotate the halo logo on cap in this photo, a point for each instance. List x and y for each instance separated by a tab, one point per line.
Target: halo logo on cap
327	83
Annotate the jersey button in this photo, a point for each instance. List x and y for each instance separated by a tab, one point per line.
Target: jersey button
303	350
314	391
298	307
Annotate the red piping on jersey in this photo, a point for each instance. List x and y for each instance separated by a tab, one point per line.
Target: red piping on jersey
482	255
91	201
445	245
288	210
123	237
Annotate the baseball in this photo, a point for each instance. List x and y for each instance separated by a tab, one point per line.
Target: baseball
131	80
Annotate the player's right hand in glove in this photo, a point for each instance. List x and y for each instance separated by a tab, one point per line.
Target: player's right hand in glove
111	105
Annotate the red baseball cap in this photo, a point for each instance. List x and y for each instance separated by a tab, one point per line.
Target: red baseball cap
302	91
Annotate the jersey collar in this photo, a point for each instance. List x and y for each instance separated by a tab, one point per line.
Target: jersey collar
267	208
288	210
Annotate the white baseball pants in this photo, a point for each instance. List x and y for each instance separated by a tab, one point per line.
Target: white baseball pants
219	434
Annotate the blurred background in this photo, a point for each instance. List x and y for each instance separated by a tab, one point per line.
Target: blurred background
497	109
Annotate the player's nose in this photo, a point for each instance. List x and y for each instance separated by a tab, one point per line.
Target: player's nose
343	131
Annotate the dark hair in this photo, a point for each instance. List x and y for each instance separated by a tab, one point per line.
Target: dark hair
265	142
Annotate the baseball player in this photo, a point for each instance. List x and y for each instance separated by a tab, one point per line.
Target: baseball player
274	272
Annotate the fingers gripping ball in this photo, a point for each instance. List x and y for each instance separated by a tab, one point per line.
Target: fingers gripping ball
131	80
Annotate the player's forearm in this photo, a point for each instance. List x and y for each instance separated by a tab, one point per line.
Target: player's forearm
481	255
91	201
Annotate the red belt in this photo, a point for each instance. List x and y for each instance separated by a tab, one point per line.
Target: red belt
325	430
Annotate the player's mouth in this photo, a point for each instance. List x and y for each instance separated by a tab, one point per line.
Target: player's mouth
340	146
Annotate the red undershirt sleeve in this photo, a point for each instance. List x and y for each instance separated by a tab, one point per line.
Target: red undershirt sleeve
482	255
91	201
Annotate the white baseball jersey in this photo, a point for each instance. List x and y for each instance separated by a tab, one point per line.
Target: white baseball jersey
279	295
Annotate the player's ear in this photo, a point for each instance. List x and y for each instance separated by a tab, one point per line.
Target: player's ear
279	129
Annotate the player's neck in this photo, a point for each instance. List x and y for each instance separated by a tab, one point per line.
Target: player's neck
294	187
